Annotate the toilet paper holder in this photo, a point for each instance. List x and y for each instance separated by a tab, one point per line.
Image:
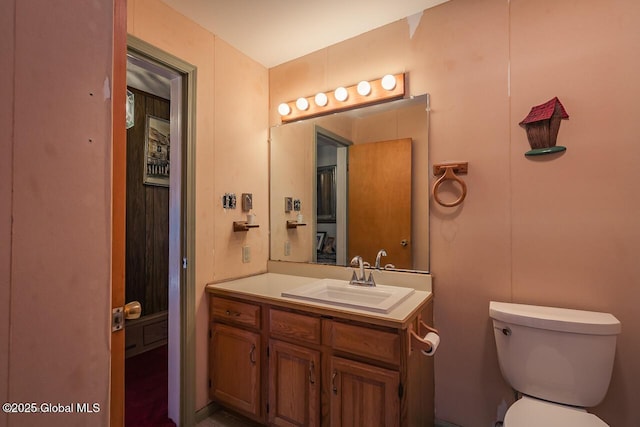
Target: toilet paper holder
418	341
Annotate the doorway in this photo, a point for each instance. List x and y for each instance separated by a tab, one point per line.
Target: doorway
331	197
168	186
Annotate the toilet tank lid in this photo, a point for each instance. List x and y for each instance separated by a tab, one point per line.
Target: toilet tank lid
555	319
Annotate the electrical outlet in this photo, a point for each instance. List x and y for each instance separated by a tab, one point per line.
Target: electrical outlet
246	254
287	248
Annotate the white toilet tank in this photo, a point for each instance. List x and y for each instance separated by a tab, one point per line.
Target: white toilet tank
556	354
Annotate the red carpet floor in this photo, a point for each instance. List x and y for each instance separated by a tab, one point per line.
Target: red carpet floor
146	390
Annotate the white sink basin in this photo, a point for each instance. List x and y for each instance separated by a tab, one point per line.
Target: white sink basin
378	298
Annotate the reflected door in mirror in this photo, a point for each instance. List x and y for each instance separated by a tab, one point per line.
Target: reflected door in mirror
380	201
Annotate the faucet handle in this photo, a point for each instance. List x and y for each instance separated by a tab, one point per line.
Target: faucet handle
371	281
354	278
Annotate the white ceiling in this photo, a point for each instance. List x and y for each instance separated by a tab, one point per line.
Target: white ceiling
275	31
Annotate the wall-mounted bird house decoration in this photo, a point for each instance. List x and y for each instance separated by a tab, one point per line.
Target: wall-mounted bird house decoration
542	125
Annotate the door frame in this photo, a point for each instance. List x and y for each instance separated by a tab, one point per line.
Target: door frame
342	146
181	404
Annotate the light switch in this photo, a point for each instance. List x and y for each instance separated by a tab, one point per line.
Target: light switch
229	201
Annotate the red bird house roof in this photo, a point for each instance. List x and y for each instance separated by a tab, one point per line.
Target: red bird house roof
545	112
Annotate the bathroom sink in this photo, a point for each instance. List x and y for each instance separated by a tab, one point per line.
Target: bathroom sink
380	298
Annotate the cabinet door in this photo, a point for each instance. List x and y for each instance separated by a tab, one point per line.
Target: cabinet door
363	395
294	384
235	368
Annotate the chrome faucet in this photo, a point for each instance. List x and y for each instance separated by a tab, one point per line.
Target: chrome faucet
381	253
361	279
357	260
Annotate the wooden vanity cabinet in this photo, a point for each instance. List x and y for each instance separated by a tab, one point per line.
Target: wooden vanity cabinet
294	368
363	394
235	373
318	368
235	355
294	385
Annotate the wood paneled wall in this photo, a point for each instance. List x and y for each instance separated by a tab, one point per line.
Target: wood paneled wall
147	246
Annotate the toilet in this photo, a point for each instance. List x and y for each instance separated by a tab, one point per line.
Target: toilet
559	359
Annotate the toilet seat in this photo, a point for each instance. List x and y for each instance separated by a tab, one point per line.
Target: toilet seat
531	412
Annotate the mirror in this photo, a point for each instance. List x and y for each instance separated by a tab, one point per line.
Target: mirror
361	176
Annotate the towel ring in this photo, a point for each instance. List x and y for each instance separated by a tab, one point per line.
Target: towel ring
449	174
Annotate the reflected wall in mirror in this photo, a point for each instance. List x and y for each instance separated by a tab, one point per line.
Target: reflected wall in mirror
372	199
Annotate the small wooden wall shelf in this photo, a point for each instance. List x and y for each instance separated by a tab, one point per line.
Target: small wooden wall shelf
243	226
295	224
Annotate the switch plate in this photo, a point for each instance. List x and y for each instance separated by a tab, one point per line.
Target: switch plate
246	254
229	201
287	248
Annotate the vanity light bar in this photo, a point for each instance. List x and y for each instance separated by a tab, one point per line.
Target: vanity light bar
389	87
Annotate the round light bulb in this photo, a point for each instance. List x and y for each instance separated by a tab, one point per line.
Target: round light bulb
284	109
302	104
364	88
389	82
341	94
321	99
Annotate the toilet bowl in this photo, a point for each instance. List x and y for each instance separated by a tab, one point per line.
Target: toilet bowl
531	412
559	359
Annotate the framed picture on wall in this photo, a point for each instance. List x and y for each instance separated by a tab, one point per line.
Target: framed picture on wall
156	151
326	194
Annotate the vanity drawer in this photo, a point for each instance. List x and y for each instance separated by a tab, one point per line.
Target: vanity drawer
295	326
371	343
240	313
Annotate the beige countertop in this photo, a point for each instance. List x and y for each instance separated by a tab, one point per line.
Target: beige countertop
268	287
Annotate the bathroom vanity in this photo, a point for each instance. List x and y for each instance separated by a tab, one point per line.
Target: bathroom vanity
287	362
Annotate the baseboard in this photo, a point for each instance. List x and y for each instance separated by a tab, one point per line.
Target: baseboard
206	412
441	423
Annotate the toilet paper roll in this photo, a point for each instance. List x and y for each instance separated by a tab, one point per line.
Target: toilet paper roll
434	339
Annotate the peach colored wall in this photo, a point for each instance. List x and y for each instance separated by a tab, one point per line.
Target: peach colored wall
55	238
292	165
231	152
561	230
